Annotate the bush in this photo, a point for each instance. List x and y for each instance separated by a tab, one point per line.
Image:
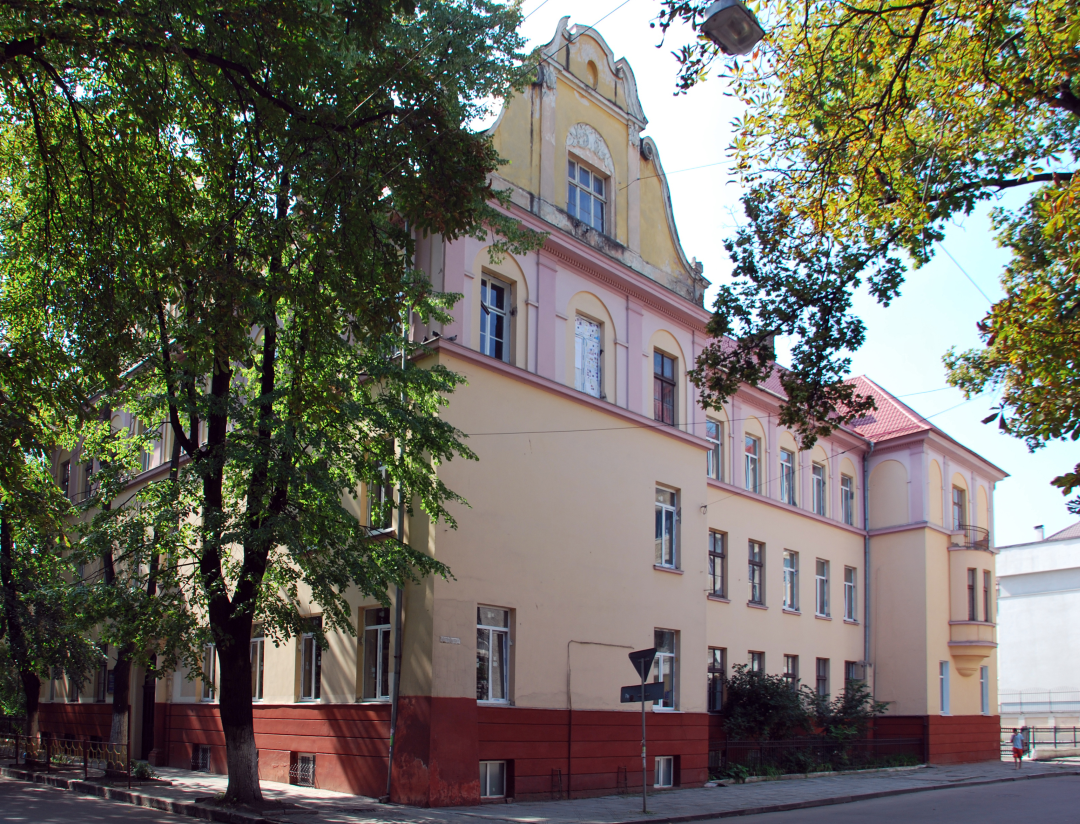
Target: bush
142	770
762	707
847	715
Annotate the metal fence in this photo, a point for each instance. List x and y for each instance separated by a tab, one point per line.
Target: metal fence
817	754
1063	702
67	755
1041	737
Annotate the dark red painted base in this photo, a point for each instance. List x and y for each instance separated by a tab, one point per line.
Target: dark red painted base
951	739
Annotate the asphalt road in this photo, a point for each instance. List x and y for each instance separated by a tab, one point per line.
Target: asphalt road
1043	799
35	804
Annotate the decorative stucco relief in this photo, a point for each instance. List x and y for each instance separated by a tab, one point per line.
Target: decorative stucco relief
590	147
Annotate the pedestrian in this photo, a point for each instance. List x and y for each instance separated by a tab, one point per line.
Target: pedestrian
1018	746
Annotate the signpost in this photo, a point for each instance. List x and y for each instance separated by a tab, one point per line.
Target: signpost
643	661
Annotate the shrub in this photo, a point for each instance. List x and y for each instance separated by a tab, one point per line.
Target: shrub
762	707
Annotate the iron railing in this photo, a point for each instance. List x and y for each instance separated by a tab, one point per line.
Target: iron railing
1042	737
975	537
67	754
1039	703
815	754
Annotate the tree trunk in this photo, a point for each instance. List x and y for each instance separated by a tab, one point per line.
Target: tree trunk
121	715
237	719
32	687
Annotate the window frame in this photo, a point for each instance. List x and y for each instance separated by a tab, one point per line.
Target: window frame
208	686
718	563
959	508
380	501
787	477
666	514
851	594
984	690
756	572
756	661
716	675
791	670
944	688
715	456
256	651
663	412
849	672
377	637
972	594
485	778
664	768
489	313
64	481
791	580
847	499
579	357
819	489
752	462
502	635
988	613
666	665
821	588
821	677
574	184
310	649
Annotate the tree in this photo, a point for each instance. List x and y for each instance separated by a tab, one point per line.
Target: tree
846	715
869	125
762	707
241	187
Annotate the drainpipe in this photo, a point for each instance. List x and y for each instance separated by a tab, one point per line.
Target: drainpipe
399	602
866	563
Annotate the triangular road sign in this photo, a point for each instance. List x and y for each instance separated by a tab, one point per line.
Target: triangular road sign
642	661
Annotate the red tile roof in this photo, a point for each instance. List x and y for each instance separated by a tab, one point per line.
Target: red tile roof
891	419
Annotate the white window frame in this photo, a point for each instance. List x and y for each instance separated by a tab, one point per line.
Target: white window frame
756	572
257	649
821	588
311	676
208	674
751	462
717	563
791	670
583	328
717	672
575	188
377	635
817	472
666	666
489	312
714	434
666	531
488	772
984	689
959	508
943	684
791	580
851	594
757	661
847	499
495	635
664	772
787	477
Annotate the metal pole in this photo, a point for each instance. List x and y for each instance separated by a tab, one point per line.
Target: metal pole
644	771
85	762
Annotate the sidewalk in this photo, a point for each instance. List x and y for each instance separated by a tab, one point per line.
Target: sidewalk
299	805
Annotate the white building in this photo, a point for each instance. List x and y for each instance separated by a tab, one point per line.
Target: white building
1038	646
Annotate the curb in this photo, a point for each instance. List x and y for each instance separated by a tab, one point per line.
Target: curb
828	802
165	805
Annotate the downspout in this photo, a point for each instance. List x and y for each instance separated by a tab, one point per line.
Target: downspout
866	563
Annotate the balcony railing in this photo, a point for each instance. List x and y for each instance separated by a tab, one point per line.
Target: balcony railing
974	537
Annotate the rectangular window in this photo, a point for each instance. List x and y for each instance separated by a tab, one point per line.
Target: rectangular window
664	667
943	683
87	480
717	672
718	564
851	672
756	572
492	654
666	515
492	779
257	647
138	430
663	388
494	318
101	680
200	758
847	499
752	454
209	672
381	502
714	434
376	654
587	352
72	691
959	508
757	661
311	663
988	614
984	689
973	596
818	477
302	771
821	681
791	579
787	476
821	588
585	196
665	767
850	594
791	670
65	477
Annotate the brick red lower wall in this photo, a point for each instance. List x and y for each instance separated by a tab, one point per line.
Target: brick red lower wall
77	720
953	739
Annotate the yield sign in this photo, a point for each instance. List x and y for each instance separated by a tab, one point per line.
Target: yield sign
642	661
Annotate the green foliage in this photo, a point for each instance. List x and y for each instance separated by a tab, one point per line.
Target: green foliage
848	714
868	127
142	771
759	706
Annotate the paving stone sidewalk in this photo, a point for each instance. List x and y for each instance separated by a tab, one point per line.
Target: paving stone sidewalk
302	805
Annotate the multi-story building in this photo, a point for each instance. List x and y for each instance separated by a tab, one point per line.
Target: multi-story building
610	512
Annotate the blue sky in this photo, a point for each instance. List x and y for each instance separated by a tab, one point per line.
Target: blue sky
938	307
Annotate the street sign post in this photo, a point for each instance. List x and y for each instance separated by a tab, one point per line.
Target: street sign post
643	661
632	694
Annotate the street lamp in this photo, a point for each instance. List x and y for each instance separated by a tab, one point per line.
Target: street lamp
732	26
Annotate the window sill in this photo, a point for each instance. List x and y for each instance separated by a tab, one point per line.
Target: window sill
662	568
666	709
822	617
849	621
719	598
373	701
493	703
790	611
755	605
